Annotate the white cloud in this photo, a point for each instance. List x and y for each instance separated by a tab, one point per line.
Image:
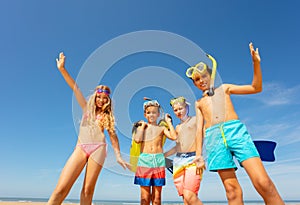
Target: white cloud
278	94
285	132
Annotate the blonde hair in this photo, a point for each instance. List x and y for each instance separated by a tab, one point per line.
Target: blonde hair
108	119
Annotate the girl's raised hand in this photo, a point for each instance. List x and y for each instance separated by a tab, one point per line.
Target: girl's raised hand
254	53
61	61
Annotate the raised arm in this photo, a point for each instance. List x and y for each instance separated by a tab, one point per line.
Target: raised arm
256	85
61	67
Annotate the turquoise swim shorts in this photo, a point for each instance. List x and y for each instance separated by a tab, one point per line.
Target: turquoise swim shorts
225	140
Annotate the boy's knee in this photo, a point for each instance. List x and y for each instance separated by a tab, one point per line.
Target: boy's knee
156	198
265	185
234	192
189	197
156	201
145	200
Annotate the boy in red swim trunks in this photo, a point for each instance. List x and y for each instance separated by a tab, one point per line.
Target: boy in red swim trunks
150	173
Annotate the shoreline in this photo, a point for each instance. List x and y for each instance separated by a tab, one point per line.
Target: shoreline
20	202
30	203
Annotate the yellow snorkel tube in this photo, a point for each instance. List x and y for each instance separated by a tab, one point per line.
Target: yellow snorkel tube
201	68
211	91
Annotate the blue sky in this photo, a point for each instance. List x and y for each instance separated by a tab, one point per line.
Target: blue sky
39	117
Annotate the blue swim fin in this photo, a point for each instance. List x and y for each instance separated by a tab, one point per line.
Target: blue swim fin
265	149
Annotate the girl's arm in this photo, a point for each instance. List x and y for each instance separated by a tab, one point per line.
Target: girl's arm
61	67
256	85
116	146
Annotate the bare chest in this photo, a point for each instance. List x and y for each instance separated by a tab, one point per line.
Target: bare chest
153	133
214	108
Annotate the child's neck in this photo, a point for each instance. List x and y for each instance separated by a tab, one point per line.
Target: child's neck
185	118
205	93
152	123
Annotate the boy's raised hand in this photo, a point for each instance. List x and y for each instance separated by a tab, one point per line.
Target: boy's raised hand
61	61
254	53
143	124
168	118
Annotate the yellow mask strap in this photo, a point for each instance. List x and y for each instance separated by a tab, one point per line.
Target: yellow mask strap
179	99
198	68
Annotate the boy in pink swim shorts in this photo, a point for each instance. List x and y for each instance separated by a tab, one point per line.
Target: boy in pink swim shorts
186	175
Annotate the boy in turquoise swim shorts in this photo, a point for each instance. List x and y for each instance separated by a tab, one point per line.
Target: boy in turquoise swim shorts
150	172
226	136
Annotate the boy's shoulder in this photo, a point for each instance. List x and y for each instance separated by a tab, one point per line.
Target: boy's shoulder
226	87
198	102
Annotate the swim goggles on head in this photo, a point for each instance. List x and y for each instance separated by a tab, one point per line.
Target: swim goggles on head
106	92
150	103
177	100
202	68
198	68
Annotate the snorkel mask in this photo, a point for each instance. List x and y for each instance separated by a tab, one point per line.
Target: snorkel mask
180	100
149	103
201	68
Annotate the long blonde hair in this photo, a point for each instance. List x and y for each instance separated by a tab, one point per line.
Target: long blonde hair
107	119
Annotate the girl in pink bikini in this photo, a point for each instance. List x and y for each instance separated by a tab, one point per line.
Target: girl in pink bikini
90	151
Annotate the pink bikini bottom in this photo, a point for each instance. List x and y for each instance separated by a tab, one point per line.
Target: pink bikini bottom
89	148
94	150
